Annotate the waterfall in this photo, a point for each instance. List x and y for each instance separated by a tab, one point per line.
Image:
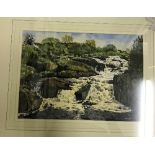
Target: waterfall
88	97
101	86
37	88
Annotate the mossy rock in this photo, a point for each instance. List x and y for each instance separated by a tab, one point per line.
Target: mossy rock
74	74
44	64
68	68
51	86
28	101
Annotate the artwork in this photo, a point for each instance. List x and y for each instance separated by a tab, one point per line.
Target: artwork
80	76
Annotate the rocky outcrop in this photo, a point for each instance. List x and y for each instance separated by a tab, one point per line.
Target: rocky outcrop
122	85
115	62
93	97
93	114
28	101
82	93
126	90
74	68
74	73
51	86
54	108
93	62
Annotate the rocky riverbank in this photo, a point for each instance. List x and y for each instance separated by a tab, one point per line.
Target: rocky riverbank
79	96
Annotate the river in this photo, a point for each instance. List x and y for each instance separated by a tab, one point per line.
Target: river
94	92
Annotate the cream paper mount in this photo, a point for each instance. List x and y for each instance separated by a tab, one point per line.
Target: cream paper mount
51	126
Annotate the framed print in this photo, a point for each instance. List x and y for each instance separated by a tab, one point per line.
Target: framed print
83	77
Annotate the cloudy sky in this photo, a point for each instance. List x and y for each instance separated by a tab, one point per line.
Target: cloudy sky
121	41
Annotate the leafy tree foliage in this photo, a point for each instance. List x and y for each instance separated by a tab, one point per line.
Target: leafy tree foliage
136	58
110	47
29	54
45	57
91	43
67	39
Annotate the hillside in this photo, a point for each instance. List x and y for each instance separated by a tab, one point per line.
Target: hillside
71	80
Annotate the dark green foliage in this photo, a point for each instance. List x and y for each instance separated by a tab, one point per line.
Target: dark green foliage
53	57
123	54
27	73
67	67
91	43
45	65
136	58
67	39
53	46
50	47
29	55
110	47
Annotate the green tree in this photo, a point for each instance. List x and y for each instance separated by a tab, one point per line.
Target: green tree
110	47
51	46
135	73
50	41
67	39
91	43
29	39
29	55
136	58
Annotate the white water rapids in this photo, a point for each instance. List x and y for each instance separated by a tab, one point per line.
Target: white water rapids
100	93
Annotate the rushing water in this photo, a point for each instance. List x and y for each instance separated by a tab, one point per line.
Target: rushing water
99	93
101	87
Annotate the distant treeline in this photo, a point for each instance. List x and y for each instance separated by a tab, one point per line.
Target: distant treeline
52	55
66	46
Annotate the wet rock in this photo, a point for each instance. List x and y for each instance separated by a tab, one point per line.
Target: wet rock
74	68
51	86
51	108
56	113
82	93
96	63
75	74
116	62
93	114
126	90
121	88
28	101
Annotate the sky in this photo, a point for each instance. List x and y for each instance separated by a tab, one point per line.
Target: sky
121	41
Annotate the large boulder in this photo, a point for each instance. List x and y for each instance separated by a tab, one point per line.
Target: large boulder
122	85
51	86
45	65
93	114
28	101
116	62
74	73
126	89
51	108
82	93
93	62
74	68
